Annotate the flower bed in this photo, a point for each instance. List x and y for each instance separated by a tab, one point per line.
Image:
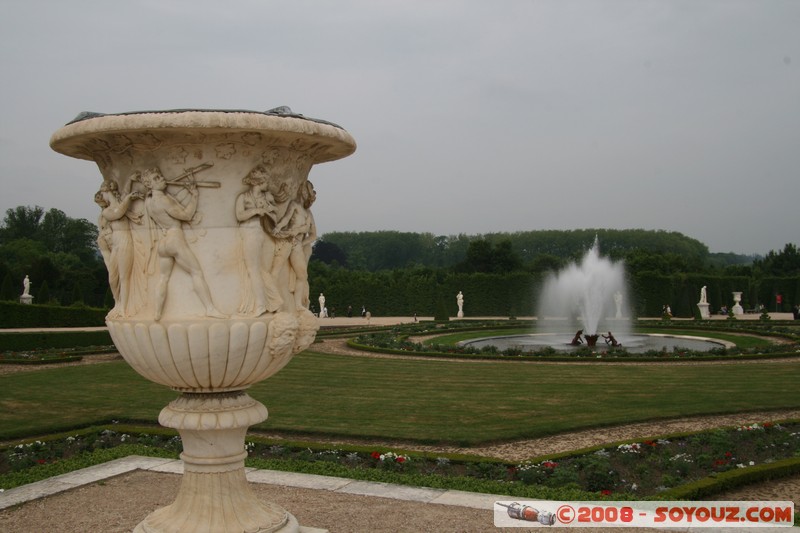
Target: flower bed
641	469
30	454
650	467
644	468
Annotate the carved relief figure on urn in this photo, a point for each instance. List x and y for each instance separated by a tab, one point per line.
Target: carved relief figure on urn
259	295
116	243
296	233
167	214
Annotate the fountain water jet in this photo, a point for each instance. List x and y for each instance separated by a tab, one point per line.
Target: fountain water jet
586	295
590	296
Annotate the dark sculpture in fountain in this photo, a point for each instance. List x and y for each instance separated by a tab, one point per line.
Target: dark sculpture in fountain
591	340
611	341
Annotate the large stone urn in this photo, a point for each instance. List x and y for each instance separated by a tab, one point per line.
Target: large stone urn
206	230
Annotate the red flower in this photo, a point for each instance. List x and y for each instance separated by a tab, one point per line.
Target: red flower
376	455
605	492
401	459
549	464
41	461
650	443
728	454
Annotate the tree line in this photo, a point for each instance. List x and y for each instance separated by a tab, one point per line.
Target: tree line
394	272
57	252
530	251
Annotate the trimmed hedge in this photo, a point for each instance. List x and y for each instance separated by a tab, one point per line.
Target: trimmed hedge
18	342
405	292
16	315
733	479
33	362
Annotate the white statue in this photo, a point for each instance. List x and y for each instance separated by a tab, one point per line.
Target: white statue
116	245
618	303
252	208
702	305
26	286
322	308
167	213
460	302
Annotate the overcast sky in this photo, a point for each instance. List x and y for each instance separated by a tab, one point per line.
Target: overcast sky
470	116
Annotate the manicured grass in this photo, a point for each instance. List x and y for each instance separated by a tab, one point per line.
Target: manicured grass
47	401
447	401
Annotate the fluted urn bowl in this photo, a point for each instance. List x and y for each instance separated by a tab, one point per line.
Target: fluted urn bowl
211	355
206	230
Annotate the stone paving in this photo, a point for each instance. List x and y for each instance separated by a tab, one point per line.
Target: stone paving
93	474
444	502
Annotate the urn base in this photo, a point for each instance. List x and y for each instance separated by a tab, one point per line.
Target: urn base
215	496
218	503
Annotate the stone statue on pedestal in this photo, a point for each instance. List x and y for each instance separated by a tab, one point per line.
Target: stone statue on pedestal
702	305
26	297
618	304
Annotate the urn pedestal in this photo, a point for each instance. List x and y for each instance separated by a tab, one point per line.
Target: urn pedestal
206	231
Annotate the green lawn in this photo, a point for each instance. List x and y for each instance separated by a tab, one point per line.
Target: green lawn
463	401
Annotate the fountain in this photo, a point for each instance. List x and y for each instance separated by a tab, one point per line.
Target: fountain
206	231
586	294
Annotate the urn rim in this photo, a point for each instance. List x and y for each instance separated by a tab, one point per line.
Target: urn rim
69	139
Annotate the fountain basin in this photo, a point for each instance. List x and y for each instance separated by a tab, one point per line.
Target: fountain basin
632	343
